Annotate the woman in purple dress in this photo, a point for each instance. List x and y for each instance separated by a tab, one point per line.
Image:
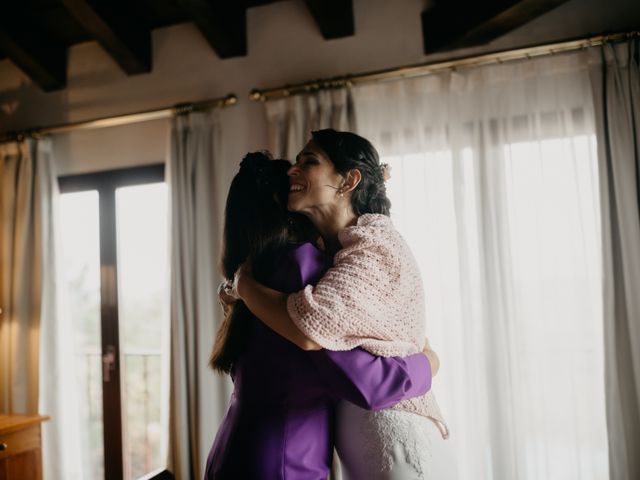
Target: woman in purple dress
280	420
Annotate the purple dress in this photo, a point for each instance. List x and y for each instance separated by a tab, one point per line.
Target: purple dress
280	420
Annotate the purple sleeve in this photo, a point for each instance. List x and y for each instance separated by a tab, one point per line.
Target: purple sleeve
364	379
297	268
373	382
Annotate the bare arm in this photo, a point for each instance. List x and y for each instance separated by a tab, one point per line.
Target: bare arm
270	306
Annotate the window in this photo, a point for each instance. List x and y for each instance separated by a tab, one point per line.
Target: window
509	249
114	261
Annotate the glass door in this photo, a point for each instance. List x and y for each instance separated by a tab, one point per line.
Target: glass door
114	259
143	316
79	258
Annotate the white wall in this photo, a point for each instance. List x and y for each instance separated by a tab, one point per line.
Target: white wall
285	46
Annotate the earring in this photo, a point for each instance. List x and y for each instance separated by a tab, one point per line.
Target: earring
341	193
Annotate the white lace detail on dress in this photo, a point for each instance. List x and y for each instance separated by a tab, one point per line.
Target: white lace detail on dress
392	433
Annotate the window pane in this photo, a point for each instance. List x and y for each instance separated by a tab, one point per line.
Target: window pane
80	271
141	223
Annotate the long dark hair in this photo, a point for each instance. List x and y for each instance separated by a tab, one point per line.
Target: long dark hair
349	151
256	223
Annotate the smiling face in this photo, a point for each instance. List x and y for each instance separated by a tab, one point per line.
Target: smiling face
311	180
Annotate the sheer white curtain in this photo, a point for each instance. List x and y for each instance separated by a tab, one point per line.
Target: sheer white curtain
62	439
291	120
616	88
36	368
198	397
495	186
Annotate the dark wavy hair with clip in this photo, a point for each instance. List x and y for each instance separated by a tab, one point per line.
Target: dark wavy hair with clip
349	151
256	224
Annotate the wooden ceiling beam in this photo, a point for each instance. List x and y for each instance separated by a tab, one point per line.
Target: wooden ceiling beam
223	24
450	24
44	63
334	17
127	41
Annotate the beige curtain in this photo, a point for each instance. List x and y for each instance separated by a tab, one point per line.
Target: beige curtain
25	179
36	375
198	398
291	120
616	88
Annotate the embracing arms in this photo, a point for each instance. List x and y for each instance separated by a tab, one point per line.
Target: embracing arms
372	382
270	306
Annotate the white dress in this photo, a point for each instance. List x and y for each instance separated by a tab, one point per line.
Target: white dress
391	445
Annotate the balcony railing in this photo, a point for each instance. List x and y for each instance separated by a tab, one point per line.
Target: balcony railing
141	373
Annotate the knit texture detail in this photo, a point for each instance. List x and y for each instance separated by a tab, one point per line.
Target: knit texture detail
373	298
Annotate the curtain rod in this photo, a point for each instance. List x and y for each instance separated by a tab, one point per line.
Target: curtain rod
418	70
125	119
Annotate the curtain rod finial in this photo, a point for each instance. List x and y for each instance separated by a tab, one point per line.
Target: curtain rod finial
230	99
256	95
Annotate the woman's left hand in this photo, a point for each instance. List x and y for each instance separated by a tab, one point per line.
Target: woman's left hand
432	356
225	300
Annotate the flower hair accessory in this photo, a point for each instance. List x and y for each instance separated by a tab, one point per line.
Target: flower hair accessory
257	164
385	169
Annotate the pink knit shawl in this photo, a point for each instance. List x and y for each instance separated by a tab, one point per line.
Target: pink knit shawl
372	298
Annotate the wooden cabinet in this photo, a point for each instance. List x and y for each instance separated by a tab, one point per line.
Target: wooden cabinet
20	447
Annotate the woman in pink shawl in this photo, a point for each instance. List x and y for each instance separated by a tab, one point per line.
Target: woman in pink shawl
372	297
